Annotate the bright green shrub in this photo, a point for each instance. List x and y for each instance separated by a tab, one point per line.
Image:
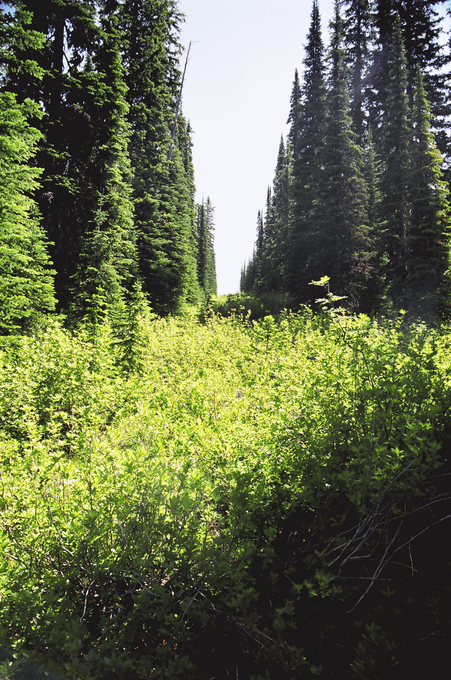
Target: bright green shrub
238	502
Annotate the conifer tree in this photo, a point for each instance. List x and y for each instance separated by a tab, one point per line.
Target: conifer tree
71	36
395	204
373	297
26	281
357	36
163	189
260	245
186	212
420	29
428	239
107	257
273	260
206	261
343	249
307	178
295	110
248	275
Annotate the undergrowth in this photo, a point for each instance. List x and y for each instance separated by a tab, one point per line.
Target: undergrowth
262	498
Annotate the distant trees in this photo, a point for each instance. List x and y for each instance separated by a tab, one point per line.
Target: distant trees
206	261
366	202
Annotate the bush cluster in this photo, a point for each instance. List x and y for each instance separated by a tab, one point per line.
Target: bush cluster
262	499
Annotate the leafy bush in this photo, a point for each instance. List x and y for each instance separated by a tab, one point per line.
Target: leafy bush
245	306
265	496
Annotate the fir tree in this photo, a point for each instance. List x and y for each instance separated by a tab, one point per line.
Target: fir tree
295	110
273	274
357	32
260	245
71	36
163	189
186	212
26	282
420	29
107	257
206	261
307	177
343	249
428	239
395	204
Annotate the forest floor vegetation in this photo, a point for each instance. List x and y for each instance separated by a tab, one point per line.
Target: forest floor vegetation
197	499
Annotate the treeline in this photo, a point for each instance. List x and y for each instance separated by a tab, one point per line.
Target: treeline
360	194
97	194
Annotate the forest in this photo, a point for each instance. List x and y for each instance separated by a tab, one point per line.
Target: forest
199	486
361	185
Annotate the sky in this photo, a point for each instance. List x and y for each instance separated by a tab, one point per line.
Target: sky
237	97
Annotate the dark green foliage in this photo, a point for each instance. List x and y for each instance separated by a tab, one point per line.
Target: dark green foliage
26	282
63	90
107	257
129	331
343	250
248	276
307	133
273	257
295	110
395	206
112	204
347	192
246	306
163	190
420	27
428	240
357	37
185	212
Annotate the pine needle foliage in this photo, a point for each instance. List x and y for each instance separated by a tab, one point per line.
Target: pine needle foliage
26	282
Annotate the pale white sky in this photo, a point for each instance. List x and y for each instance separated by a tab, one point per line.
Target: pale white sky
237	97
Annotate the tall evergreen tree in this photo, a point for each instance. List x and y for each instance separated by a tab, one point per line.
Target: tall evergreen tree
71	36
186	212
273	260
343	249
107	258
163	189
428	239
206	261
395	204
357	32
295	110
26	281
420	28
307	178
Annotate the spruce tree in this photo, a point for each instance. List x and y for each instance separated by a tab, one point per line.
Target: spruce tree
260	245
395	178
206	261
163	189
343	248
420	28
273	274
428	238
63	89
186	211
107	258
357	36
26	282
295	110
307	177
